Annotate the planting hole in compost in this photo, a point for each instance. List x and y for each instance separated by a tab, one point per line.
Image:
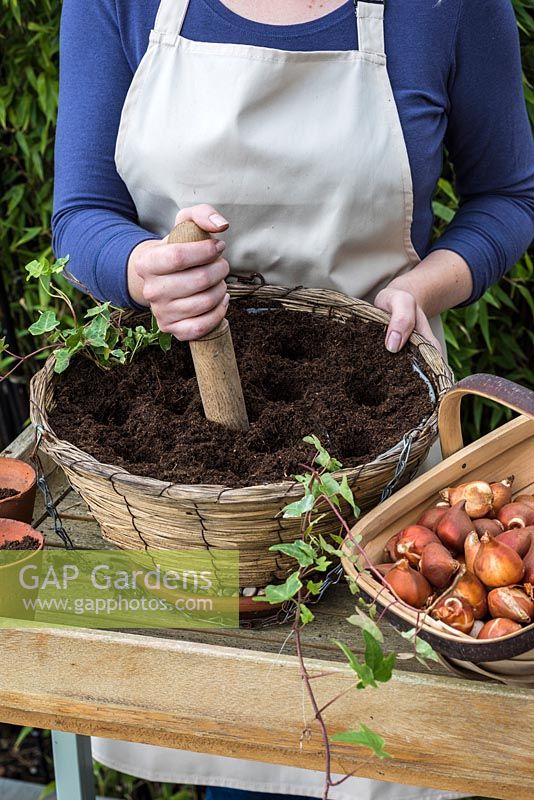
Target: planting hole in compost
5	493
301	374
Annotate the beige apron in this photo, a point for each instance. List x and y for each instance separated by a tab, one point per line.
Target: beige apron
304	153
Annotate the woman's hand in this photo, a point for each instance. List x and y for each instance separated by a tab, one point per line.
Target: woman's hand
184	284
440	281
406	316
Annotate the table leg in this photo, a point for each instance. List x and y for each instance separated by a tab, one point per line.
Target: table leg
73	765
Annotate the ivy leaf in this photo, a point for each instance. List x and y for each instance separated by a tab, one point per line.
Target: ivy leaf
62	359
96	310
120	355
299	508
346	493
299	550
46	323
278	593
328	548
305	614
366	624
363	671
364	737
380	665
322	564
314	587
95	332
322	456
422	648
165	341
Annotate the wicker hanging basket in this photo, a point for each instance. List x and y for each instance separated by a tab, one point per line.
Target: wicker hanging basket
139	512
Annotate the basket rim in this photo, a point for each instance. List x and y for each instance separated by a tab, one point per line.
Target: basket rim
325	299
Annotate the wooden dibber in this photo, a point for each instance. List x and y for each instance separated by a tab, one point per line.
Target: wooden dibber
214	358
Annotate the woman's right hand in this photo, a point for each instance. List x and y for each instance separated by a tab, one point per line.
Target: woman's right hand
184	284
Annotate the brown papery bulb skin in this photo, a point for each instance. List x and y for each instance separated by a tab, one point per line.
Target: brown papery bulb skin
496	628
477	495
408	584
473	591
528	563
502	493
518	539
491	526
471	546
411	542
455	612
511	602
390	550
525	499
497	564
516	515
454	526
437	565
430	518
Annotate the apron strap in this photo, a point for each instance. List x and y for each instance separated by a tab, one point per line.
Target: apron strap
170	17
370	19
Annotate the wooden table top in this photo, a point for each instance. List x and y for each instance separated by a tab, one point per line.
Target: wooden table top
238	692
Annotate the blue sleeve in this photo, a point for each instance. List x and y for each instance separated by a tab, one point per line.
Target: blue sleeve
490	145
94	219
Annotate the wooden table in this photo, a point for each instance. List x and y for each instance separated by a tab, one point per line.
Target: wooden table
238	692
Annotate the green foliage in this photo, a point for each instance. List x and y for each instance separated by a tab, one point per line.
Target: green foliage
364	737
496	334
28	108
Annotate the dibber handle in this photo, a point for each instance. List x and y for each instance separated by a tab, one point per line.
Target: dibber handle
214	358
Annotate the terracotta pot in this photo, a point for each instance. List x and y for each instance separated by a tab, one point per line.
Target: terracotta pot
18	475
13	530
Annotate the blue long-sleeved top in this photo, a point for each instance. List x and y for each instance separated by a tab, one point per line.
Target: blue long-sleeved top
455	70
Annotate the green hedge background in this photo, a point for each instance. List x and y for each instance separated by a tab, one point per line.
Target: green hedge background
494	335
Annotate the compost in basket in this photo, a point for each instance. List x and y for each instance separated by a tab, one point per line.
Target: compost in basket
301	374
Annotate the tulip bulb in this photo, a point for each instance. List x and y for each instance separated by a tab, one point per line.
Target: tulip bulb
512	603
469	588
478	497
497	564
471	546
502	493
455	612
491	526
516	515
430	518
517	538
477	627
525	499
528	563
496	628
390	550
411	542
437	565
408	584
454	526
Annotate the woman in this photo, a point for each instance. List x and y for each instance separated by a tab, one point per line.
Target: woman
281	123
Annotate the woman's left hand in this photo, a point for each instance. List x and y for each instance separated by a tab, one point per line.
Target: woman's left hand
441	280
406	316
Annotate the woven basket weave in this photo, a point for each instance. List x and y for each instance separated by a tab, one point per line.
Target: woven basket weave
139	512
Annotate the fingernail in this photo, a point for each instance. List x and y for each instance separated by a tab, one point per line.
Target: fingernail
226	299
393	342
220	246
218	220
